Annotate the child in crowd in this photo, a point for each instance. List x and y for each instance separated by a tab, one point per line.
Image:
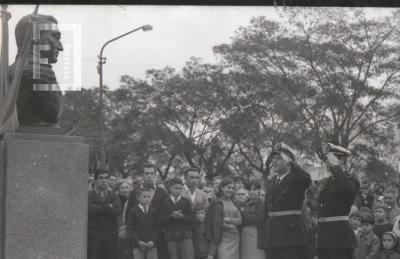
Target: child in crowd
355	222
199	235
389	244
208	189
241	196
382	223
368	242
177	217
144	226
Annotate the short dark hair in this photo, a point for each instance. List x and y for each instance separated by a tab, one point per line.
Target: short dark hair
382	206
254	184
98	172
238	178
190	169
174	181
364	209
355	214
147	165
141	190
367	218
390	191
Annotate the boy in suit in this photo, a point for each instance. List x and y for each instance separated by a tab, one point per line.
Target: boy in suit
177	217
143	227
157	197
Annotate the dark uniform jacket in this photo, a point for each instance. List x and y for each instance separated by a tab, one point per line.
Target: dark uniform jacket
336	199
290	230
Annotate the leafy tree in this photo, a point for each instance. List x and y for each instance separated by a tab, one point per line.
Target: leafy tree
81	117
326	74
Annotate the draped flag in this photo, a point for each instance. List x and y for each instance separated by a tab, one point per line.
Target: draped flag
9	91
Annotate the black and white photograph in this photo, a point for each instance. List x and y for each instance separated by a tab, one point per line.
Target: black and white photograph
199	132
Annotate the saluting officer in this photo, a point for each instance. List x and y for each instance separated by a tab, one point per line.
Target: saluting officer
335	237
285	235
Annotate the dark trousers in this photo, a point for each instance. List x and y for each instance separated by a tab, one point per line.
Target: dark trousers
102	246
336	253
162	249
125	248
294	252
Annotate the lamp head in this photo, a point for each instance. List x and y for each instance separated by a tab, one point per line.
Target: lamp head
147	27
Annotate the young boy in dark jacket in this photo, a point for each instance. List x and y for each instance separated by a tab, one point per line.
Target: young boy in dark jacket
143	227
368	243
200	242
177	218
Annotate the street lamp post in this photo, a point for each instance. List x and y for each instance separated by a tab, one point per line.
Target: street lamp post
100	71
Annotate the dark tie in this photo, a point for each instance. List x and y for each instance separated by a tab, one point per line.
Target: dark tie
145	209
278	181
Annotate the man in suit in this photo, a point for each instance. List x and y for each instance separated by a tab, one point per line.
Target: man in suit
285	236
157	197
103	207
335	237
157	194
197	197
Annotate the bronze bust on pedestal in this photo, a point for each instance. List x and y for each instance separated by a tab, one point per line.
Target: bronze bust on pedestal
39	96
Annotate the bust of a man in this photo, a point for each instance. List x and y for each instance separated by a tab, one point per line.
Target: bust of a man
39	96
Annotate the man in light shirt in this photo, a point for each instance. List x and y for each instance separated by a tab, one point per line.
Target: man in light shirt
191	191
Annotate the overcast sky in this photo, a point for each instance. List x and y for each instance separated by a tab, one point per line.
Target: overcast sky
179	33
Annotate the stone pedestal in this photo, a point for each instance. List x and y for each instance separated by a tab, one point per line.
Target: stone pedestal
43	196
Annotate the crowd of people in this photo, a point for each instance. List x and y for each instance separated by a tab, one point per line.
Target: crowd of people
287	217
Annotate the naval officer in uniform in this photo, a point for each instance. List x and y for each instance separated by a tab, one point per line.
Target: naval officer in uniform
335	237
285	231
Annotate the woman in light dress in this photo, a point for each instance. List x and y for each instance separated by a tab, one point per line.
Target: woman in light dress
222	223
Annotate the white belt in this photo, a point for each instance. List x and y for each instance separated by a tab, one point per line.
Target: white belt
332	219
284	213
